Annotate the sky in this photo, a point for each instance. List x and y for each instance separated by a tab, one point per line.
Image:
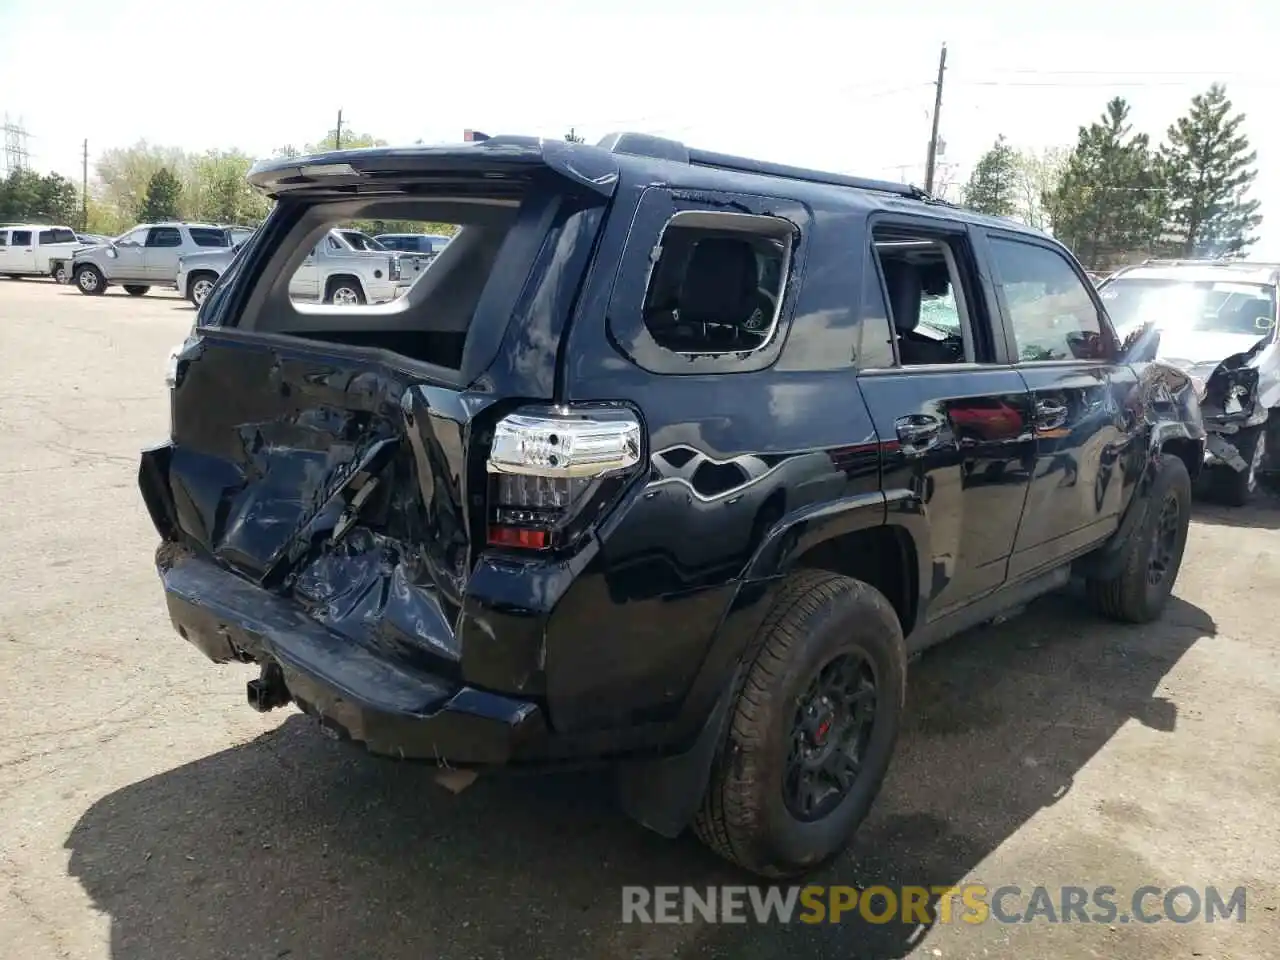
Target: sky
838	86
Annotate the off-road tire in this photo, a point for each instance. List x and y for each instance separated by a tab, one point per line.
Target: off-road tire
1129	596
743	817
135	290
99	281
1236	487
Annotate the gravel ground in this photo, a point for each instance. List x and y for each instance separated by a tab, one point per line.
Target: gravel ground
147	814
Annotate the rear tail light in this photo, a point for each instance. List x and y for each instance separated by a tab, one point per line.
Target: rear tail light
554	470
394	270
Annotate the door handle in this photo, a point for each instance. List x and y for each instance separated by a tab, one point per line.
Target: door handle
1050	415
917	433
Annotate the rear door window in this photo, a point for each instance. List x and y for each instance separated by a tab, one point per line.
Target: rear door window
4	238
20	238
210	237
164	237
57	235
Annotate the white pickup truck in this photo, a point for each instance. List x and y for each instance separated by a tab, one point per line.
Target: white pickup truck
346	267
36	250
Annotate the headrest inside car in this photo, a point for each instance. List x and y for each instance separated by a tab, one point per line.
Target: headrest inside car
720	282
935	278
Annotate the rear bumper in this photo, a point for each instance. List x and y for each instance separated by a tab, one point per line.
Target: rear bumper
356	692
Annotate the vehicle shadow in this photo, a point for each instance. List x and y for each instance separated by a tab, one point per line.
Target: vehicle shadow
1261	513
294	846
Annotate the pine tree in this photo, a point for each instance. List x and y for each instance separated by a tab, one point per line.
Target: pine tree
163	195
1106	205
993	186
1208	168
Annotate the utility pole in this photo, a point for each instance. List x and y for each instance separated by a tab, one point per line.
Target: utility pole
84	189
337	139
932	160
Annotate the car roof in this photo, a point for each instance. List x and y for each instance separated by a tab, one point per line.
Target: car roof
179	223
35	226
1202	271
635	156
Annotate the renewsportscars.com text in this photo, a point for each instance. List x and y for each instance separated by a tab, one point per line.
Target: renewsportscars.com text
970	903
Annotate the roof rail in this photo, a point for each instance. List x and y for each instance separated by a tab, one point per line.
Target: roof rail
661	148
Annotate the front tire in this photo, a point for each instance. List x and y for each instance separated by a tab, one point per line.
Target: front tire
89	280
135	291
1153	552
812	728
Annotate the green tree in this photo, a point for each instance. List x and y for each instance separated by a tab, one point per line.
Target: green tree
1039	173
125	174
350	141
1208	167
573	137
219	191
39	198
164	193
993	185
1106	204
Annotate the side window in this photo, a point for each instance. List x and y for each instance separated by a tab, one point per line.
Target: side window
331	243
4	238
135	239
717	282
925	292
1050	310
164	237
20	238
210	237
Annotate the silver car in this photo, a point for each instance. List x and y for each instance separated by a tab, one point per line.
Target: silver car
145	257
336	271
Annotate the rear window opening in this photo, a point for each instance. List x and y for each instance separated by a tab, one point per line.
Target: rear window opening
345	286
717	284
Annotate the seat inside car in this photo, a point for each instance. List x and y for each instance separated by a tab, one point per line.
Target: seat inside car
905	283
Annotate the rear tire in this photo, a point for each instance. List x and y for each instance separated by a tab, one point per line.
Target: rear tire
344	291
198	287
797	773
135	291
1153	552
89	280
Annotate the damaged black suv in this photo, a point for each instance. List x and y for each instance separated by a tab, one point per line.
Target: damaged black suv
669	460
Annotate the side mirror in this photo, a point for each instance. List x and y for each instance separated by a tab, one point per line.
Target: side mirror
1141	345
112	252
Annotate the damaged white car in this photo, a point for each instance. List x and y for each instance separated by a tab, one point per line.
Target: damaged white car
1216	320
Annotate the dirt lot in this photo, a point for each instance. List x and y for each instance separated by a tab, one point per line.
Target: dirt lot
147	814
